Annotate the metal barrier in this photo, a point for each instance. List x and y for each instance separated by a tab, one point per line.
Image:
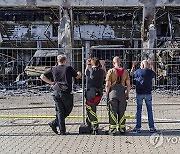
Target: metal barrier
166	86
24	97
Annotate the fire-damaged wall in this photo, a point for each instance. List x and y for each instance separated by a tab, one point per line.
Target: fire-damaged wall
106	24
77	23
18	25
126	20
84	2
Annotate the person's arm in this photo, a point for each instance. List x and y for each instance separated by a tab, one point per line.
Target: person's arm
88	66
45	79
152	66
133	66
108	83
108	86
75	74
128	88
78	75
102	62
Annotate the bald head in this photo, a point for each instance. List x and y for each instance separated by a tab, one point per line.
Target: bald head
144	64
116	61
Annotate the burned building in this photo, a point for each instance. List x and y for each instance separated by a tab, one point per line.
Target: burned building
77	23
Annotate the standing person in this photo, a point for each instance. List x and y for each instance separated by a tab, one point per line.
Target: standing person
60	77
144	77
116	80
95	72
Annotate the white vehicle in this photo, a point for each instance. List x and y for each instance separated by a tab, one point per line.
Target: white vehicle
40	62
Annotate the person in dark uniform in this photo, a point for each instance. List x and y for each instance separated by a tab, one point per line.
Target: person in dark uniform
95	72
60	78
116	80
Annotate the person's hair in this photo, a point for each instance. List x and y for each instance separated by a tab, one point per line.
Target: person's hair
117	60
61	58
144	64
95	61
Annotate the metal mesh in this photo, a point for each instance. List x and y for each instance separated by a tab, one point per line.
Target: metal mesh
25	99
166	85
23	95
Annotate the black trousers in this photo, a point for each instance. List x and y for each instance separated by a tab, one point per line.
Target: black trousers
92	120
93	97
63	107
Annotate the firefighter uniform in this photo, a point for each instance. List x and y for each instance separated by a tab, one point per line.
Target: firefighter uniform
93	97
116	107
116	104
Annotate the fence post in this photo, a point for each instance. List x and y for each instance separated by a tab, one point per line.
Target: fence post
83	88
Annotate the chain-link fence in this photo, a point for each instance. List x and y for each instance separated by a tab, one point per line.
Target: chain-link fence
25	99
166	85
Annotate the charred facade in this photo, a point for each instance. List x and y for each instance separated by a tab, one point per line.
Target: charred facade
66	24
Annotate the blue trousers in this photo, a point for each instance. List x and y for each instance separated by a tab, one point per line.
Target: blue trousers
148	101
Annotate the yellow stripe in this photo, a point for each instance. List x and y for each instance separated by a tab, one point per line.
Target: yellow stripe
112	126
88	118
121	120
88	107
50	116
112	115
91	111
94	122
121	128
93	114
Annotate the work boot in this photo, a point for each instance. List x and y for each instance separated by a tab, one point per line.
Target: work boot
111	132
64	133
122	132
53	127
94	129
95	132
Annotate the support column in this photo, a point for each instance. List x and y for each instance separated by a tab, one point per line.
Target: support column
148	31
87	49
65	34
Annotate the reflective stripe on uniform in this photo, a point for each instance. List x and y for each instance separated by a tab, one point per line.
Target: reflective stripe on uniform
112	115
91	111
93	114
88	119
122	119
112	126
94	122
121	127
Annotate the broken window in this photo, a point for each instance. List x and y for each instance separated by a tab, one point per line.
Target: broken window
43	61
